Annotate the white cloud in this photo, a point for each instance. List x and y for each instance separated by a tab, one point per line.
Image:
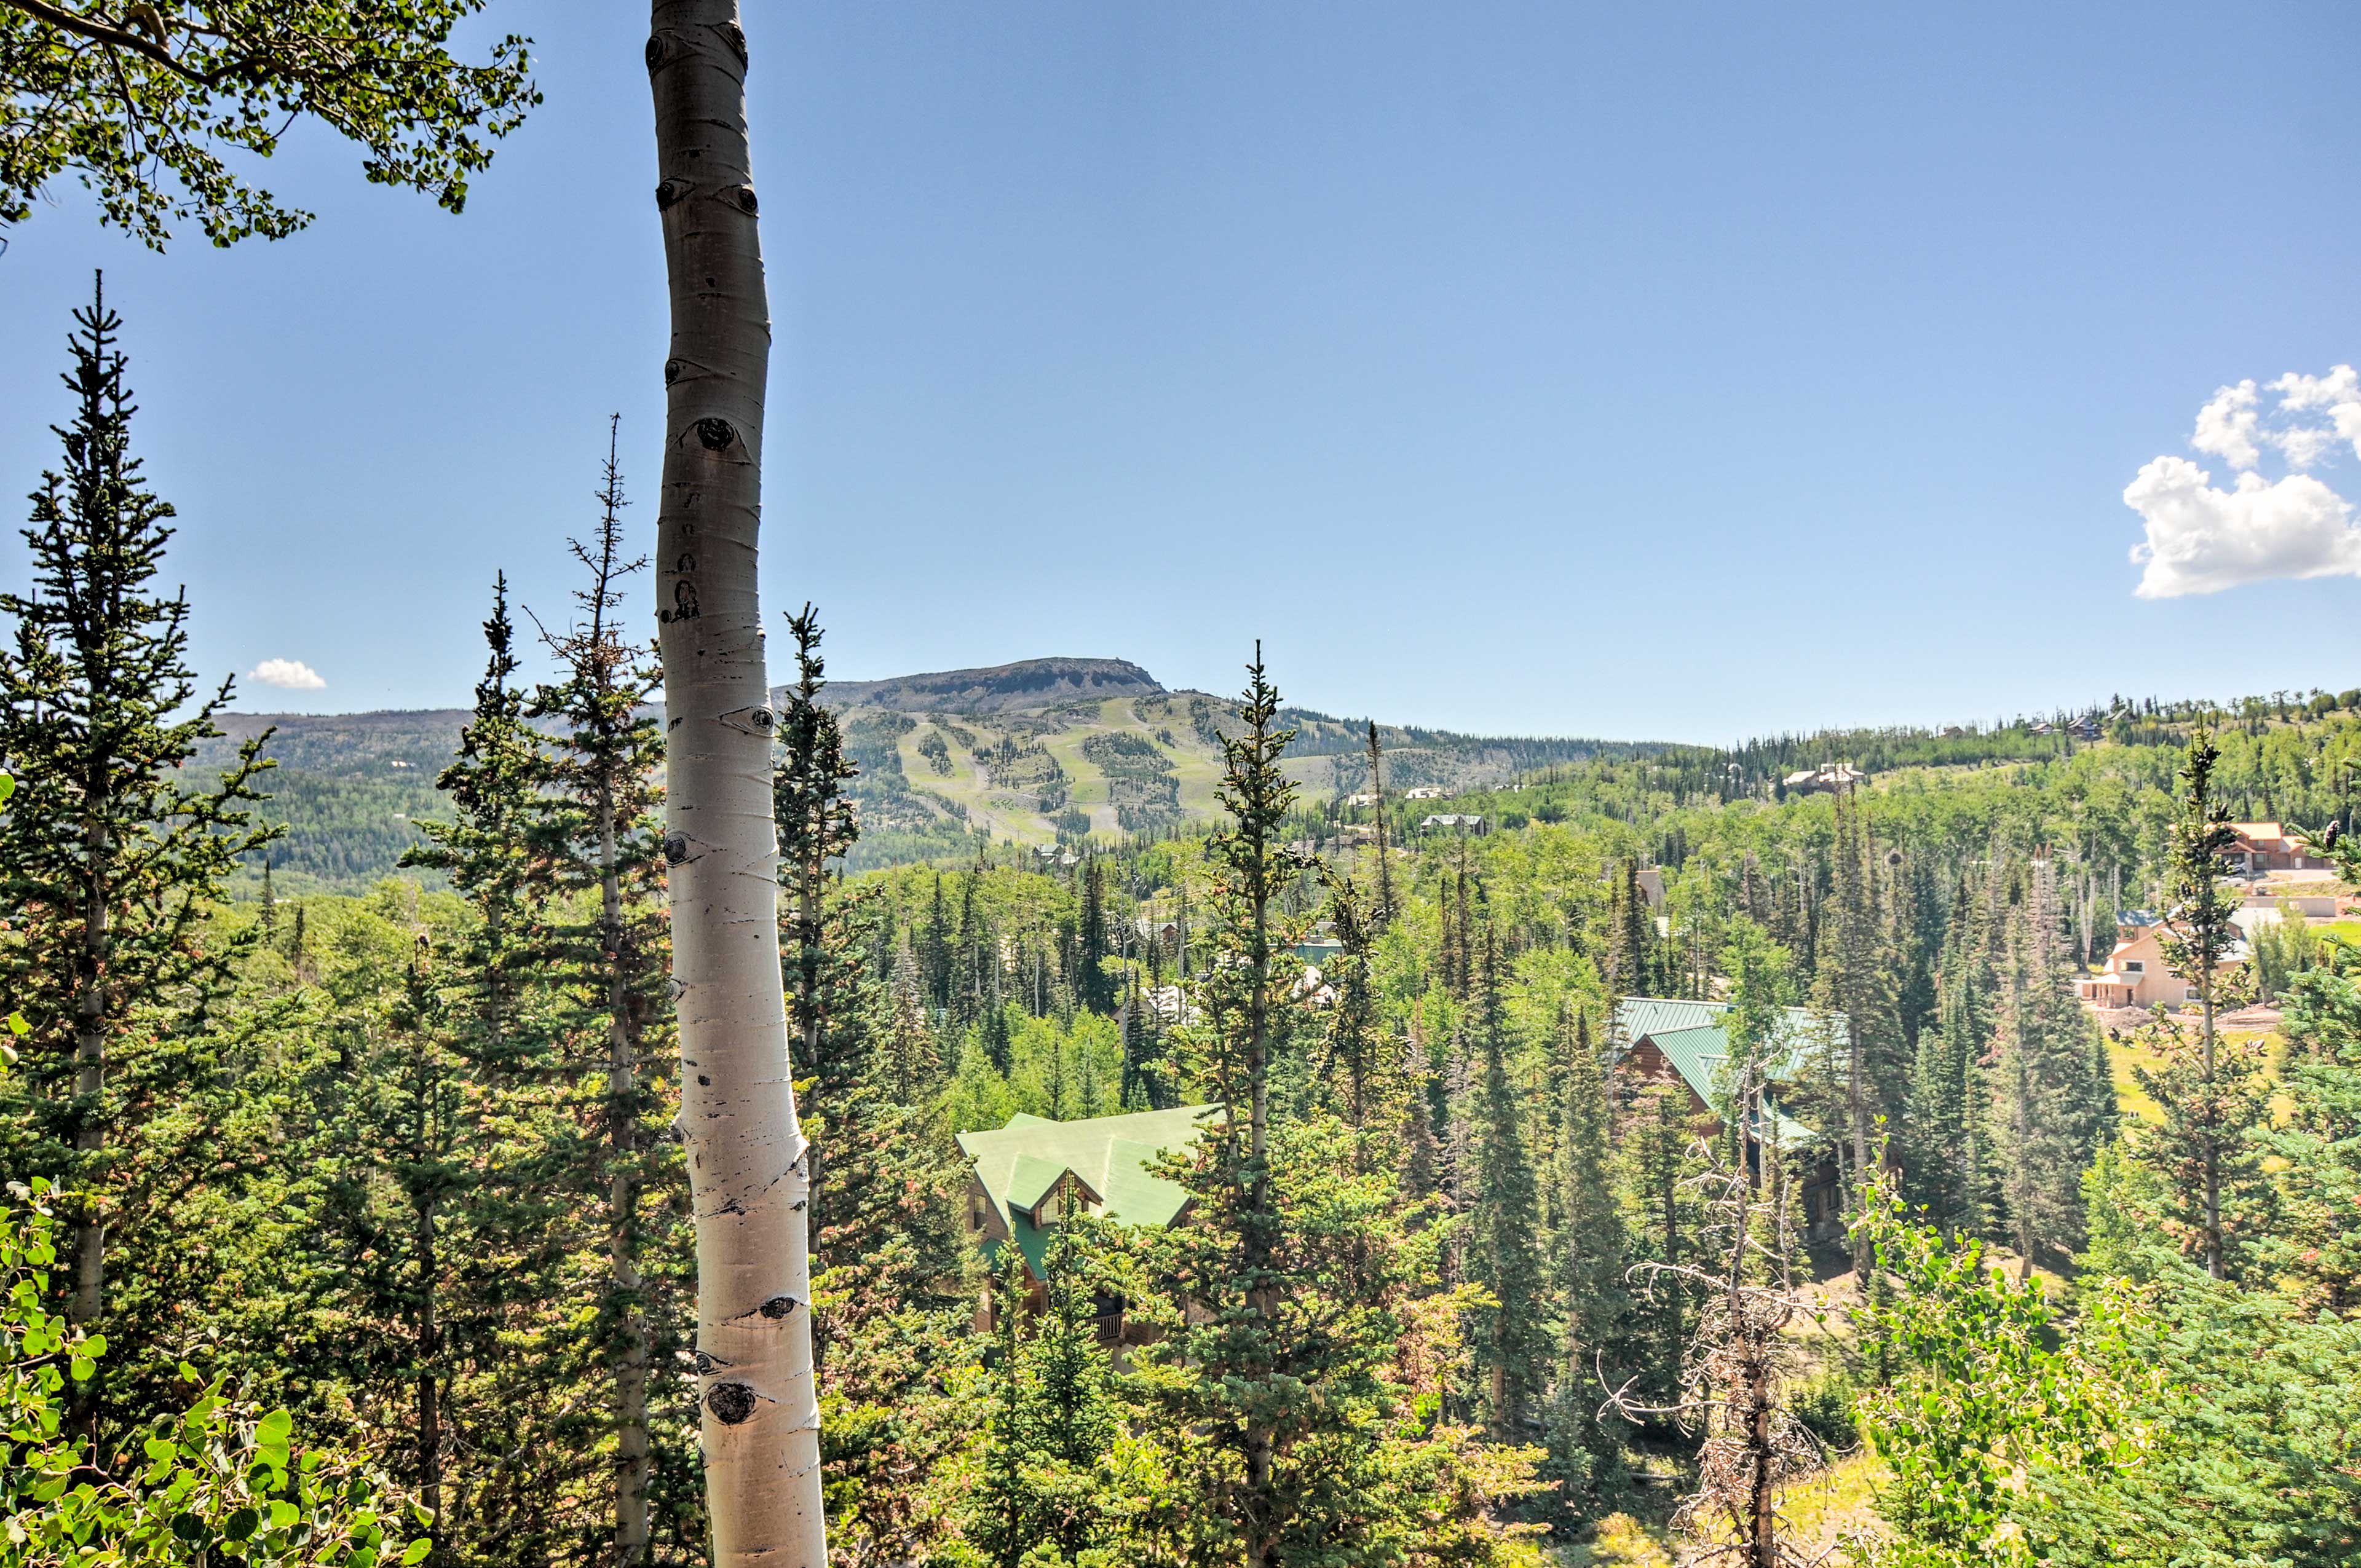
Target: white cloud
2341	384
2225	427
293	674
2202	539
2336	395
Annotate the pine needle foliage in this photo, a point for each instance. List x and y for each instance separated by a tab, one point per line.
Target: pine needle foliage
111	862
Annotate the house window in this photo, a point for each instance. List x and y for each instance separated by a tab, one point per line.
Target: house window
975	1211
2135	965
2188	994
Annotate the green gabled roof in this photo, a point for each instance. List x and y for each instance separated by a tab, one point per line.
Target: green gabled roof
1655	1016
1694	1039
1111	1156
1695	1053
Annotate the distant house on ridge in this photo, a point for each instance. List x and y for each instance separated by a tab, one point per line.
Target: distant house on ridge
1829	779
2268	847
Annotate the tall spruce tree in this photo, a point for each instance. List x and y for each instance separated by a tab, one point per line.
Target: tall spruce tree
492	785
1631	935
2208	1098
1853	978
512	1229
1048	1497
109	863
885	1251
1241	1349
1658	1153
2044	1107
597	839
816	826
1361	1068
1504	1255
1944	1152
1094	988
412	1275
1588	1255
1274	1378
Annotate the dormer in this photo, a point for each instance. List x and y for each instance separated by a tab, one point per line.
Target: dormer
1045	1192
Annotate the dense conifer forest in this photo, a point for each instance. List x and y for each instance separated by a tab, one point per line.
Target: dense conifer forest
351	1225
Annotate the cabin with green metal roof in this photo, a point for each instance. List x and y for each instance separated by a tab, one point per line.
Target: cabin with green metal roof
1028	1178
1687	1043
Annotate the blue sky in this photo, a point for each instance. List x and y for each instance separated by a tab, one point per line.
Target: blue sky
1683	371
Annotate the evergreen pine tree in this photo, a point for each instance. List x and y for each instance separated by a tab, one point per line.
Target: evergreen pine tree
1273	1378
816	826
1383	910
2207	1096
1362	1069
1631	935
513	1229
492	787
886	1257
1853	979
1588	1256
2043	1133
1512	1333
1657	1154
2314	1248
597	837
109	864
1943	1153
1046	1497
937	955
1093	987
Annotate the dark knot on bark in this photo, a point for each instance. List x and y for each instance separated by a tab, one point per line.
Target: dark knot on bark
778	1307
655	50
668	192
742	197
731	1403
735	35
715	434
704	1363
676	847
674	371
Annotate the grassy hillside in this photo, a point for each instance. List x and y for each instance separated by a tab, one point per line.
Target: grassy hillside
1012	754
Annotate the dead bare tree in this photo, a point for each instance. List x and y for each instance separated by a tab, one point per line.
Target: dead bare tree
1738	1368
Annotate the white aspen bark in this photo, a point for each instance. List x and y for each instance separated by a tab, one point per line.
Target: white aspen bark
746	1154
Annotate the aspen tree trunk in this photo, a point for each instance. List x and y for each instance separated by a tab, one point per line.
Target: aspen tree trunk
746	1153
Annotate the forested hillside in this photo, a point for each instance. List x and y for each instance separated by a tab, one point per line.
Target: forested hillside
1030	753
1611	1154
348	787
1013	756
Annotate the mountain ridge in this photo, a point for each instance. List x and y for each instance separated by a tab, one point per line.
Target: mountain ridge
1020	686
1033	751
